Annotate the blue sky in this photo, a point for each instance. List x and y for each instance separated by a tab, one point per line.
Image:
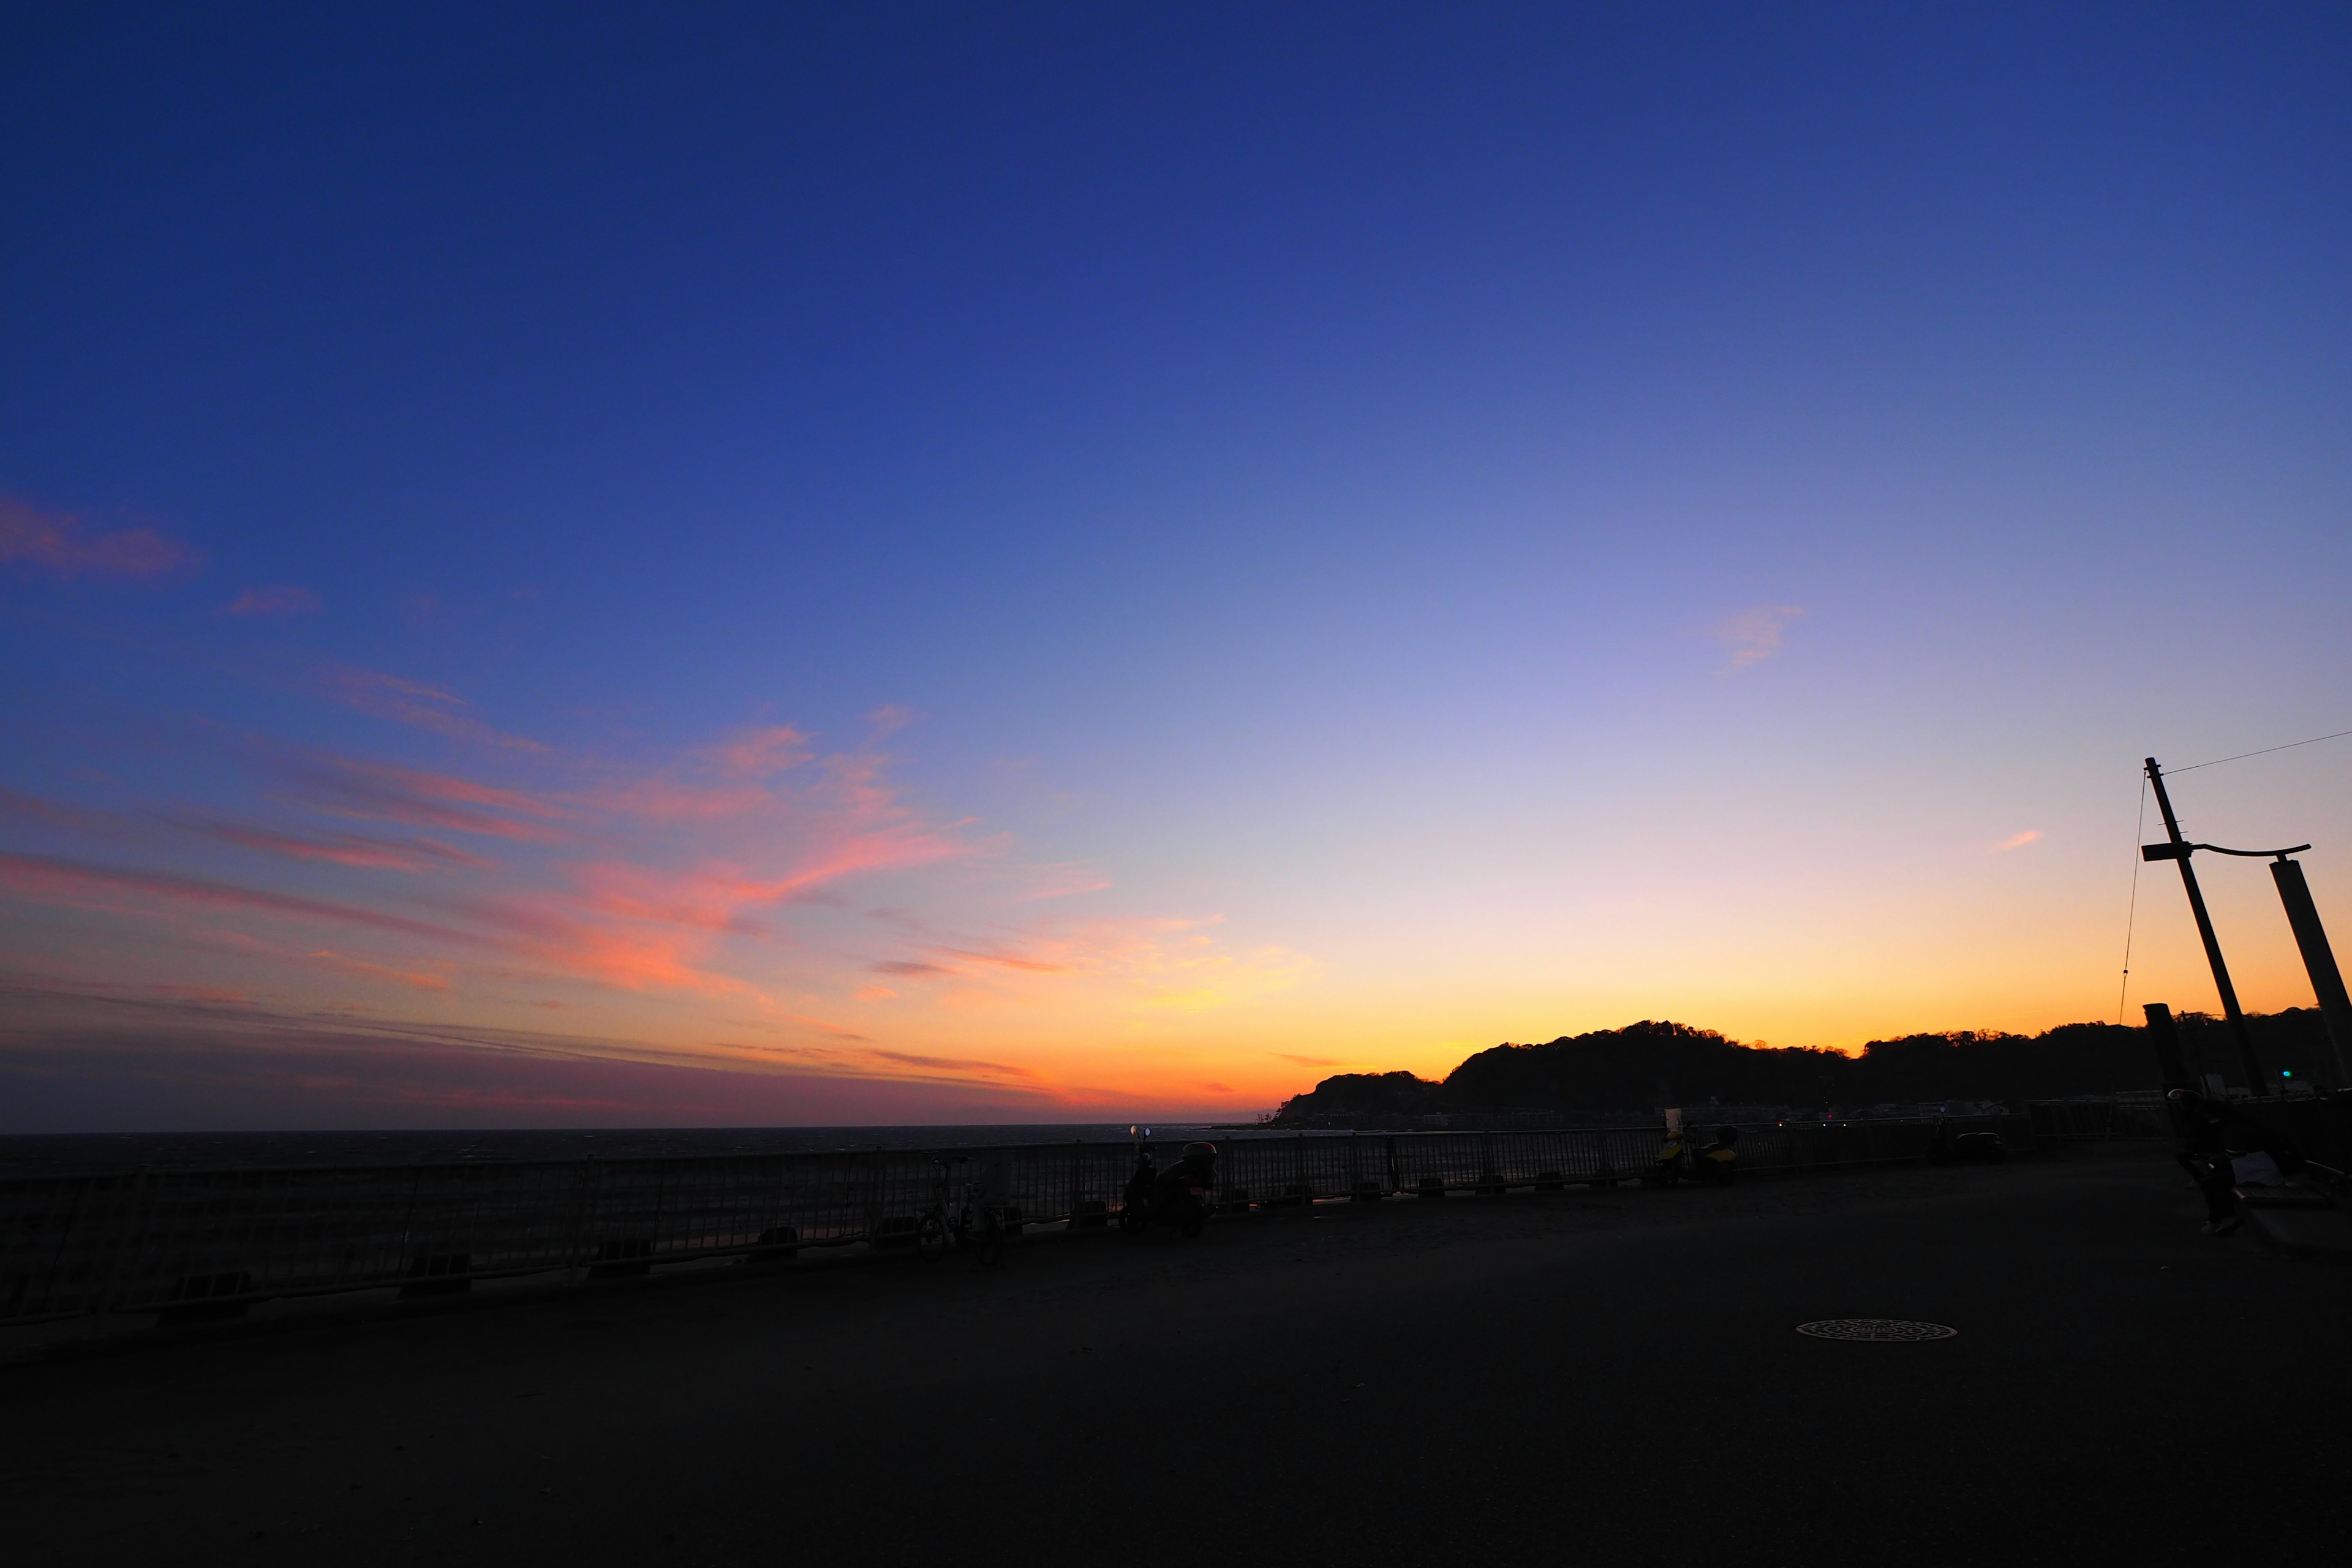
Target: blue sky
1468	522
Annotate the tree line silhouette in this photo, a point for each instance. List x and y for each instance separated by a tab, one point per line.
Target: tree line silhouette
1655	1063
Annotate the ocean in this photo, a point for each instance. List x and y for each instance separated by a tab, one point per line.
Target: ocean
69	1153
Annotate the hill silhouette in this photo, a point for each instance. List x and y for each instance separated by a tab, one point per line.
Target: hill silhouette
1656	1063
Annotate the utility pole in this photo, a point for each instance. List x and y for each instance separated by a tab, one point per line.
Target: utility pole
2318	958
2178	851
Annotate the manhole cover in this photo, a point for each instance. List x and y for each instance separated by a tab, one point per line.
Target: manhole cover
1875	1329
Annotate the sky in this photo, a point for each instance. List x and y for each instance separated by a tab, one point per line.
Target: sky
728	565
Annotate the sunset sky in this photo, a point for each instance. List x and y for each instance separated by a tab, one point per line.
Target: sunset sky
845	563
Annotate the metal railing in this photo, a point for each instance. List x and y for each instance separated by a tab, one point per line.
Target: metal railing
186	1243
2137	1114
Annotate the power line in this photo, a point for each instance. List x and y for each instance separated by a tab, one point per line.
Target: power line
2131	912
2242	756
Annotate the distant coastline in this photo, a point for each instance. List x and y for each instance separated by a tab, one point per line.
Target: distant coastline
1613	1073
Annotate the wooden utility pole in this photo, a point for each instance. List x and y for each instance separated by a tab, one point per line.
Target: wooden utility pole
2178	851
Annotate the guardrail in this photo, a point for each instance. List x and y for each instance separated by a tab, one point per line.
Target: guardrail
190	1244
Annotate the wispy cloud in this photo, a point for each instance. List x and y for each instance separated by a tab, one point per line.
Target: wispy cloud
1005	960
413	702
1159	963
2019	840
414	980
75	880
338	848
282	599
956	1065
711	881
350	786
80	819
760	751
215	1051
1066	880
58	542
1753	636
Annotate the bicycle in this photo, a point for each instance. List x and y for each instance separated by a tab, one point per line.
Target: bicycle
972	1224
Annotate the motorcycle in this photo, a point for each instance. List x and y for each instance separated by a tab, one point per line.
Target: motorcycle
1177	1197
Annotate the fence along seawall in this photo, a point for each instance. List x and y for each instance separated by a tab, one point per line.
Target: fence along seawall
187	1244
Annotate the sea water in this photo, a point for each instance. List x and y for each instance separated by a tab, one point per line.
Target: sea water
50	1154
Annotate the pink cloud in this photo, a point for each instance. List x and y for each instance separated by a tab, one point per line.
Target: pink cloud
164	1064
56	542
102	824
956	1065
1007	961
760	751
341	848
621	955
348	965
690	863
665	799
284	599
1061	881
413	702
708	902
217	994
42	876
347	787
1753	636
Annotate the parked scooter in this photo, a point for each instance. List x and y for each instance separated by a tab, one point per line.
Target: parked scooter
1719	1161
1667	1168
1179	1197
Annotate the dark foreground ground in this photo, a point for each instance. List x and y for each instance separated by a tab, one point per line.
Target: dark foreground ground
1581	1378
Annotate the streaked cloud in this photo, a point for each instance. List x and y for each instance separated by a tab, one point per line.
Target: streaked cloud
348	965
80	819
956	1065
350	786
282	599
1063	881
191	1061
413	702
76	881
2019	840
59	544
1753	636
761	751
707	883
340	848
1158	964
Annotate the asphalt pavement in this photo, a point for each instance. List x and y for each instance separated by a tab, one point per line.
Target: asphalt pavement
1610	1377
